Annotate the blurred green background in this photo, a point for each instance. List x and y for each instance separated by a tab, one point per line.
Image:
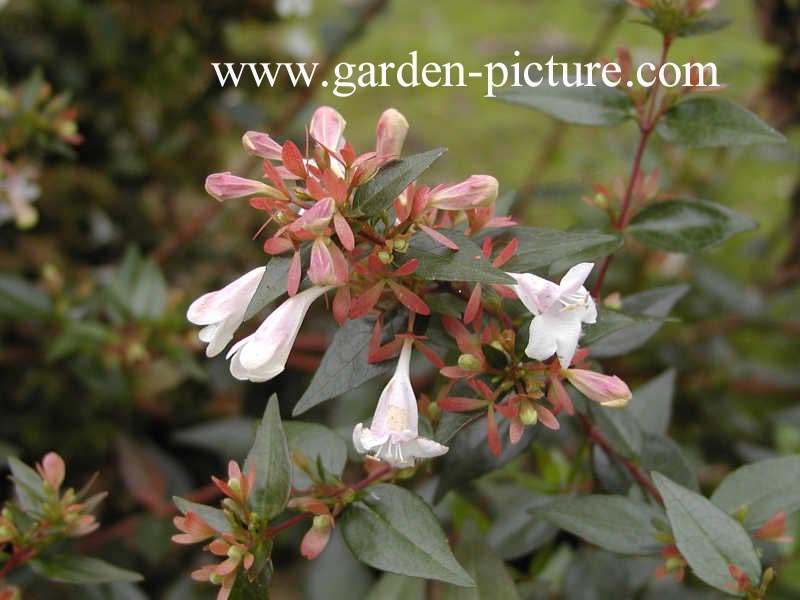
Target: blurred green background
96	359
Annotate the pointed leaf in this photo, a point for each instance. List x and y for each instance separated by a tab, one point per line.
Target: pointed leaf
393	529
271	286
377	195
710	122
319	445
214	517
596	105
686	225
651	404
80	569
270	456
708	539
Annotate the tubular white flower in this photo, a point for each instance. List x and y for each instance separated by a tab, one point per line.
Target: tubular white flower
223	311
262	355
559	310
393	436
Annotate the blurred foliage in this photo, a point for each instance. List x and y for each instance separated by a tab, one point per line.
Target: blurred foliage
98	363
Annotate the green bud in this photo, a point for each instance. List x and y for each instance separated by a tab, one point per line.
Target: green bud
673	563
400	245
235	552
215	579
600	201
434	411
322	522
235	485
527	413
5	532
349	496
741	513
469	362
385	257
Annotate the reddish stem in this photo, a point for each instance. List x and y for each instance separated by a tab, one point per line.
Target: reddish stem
594	434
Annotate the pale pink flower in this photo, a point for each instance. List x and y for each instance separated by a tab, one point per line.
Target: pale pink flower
52	470
608	390
393	435
327	128
474	192
223	311
261	144
263	355
226	186
328	265
559	310
391	133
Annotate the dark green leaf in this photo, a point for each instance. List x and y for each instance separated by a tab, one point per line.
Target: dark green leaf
707	538
619	427
80	569
610	321
540	248
394	530
469	456
336	574
214	517
491	577
270	456
316	443
344	366
442	264
377	195
515	532
596	105
256	588
21	300
709	122
687	226
271	286
646	309
397	587
703	26
765	488
611	522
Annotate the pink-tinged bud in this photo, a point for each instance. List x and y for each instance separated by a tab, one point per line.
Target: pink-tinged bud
194	529
315	220
391	133
478	190
225	186
327	127
316	538
260	144
321	269
608	390
52	470
263	355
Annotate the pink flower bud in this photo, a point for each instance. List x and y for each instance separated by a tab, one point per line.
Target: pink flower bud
260	144
263	355
225	186
608	390
52	470
327	127
391	132
315	220
478	190
328	266
194	529
316	538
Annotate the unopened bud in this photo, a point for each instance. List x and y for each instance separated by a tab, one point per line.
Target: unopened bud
527	413
600	201
400	245
673	563
741	513
349	496
474	192
322	522
385	257
391	133
235	485
434	411
215	579
469	362
235	552
767	577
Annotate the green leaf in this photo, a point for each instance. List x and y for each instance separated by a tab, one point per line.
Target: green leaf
492	579
336	574
378	194
139	287
706	537
540	248
229	438
80	569
442	264
397	587
615	523
21	300
647	309
394	530
651	404
214	517
469	456
28	486
710	122
619	427
271	286
687	226
317	444
270	456
610	321
597	105
514	531
703	26
662	454
344	366
764	487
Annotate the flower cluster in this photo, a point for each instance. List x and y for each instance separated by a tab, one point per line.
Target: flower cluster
313	215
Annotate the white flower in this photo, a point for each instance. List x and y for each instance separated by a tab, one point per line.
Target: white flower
20	190
393	436
223	311
263	355
558	309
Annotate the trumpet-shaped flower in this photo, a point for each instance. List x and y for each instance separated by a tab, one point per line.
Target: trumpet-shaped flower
393	436
263	355
223	311
559	310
